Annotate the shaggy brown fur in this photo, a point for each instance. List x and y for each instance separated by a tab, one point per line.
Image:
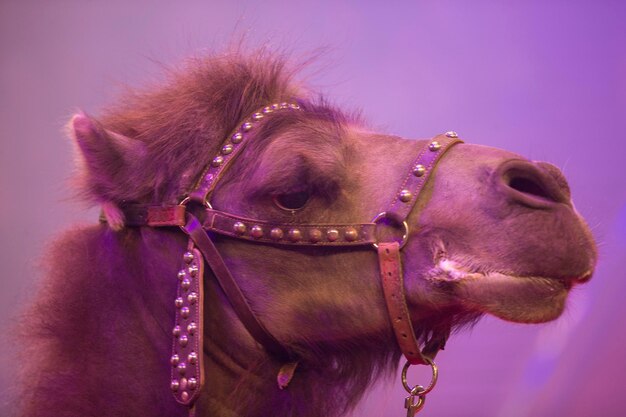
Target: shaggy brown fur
99	333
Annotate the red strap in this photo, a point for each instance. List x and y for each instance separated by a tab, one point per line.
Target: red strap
393	288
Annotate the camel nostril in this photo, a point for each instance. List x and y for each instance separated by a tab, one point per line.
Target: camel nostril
528	186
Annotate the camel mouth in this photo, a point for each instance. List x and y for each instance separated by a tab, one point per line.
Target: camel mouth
447	270
512	297
515	298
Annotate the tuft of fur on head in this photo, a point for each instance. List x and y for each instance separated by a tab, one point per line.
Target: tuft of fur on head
151	145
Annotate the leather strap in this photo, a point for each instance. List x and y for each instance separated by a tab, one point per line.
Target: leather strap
231	149
393	288
357	234
389	252
236	298
154	216
187	346
421	170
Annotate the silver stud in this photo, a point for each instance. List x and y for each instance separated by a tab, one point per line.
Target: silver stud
184	396
256	231
174	360
193	270
192	297
182	274
185	312
267	110
179	302
419	170
284	105
295	235
452	134
434	146
192	358
351	234
294	106
227	149
174	385
257	116
176	331
237	138
182	368
276	233
183	340
188	257
405	196
185	284
275	106
246	126
192	327
332	235
217	161
239	228
192	383
315	235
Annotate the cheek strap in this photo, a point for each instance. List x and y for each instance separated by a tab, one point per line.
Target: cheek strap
393	289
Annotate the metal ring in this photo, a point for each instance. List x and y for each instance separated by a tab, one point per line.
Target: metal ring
187	199
430	386
405	234
417	406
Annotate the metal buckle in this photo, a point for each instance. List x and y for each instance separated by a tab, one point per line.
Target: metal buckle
430	386
187	199
417	394
385	215
184	203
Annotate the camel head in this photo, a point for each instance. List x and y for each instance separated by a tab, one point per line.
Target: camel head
490	232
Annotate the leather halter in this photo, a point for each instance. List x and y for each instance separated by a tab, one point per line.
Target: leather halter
186	360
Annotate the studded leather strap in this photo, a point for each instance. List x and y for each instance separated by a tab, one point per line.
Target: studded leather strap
323	234
230	150
187	346
422	168
290	234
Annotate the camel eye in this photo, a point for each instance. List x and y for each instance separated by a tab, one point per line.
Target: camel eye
292	201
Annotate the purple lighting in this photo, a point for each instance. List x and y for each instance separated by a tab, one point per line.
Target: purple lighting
544	79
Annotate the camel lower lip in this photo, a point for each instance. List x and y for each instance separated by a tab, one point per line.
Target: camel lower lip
554	283
516	298
450	271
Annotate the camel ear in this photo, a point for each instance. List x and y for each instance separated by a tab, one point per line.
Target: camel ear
101	148
106	160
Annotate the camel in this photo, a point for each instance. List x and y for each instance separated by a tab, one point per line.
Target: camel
306	207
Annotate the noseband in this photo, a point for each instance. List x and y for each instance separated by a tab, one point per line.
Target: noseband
187	373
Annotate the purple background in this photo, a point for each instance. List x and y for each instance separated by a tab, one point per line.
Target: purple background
546	79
